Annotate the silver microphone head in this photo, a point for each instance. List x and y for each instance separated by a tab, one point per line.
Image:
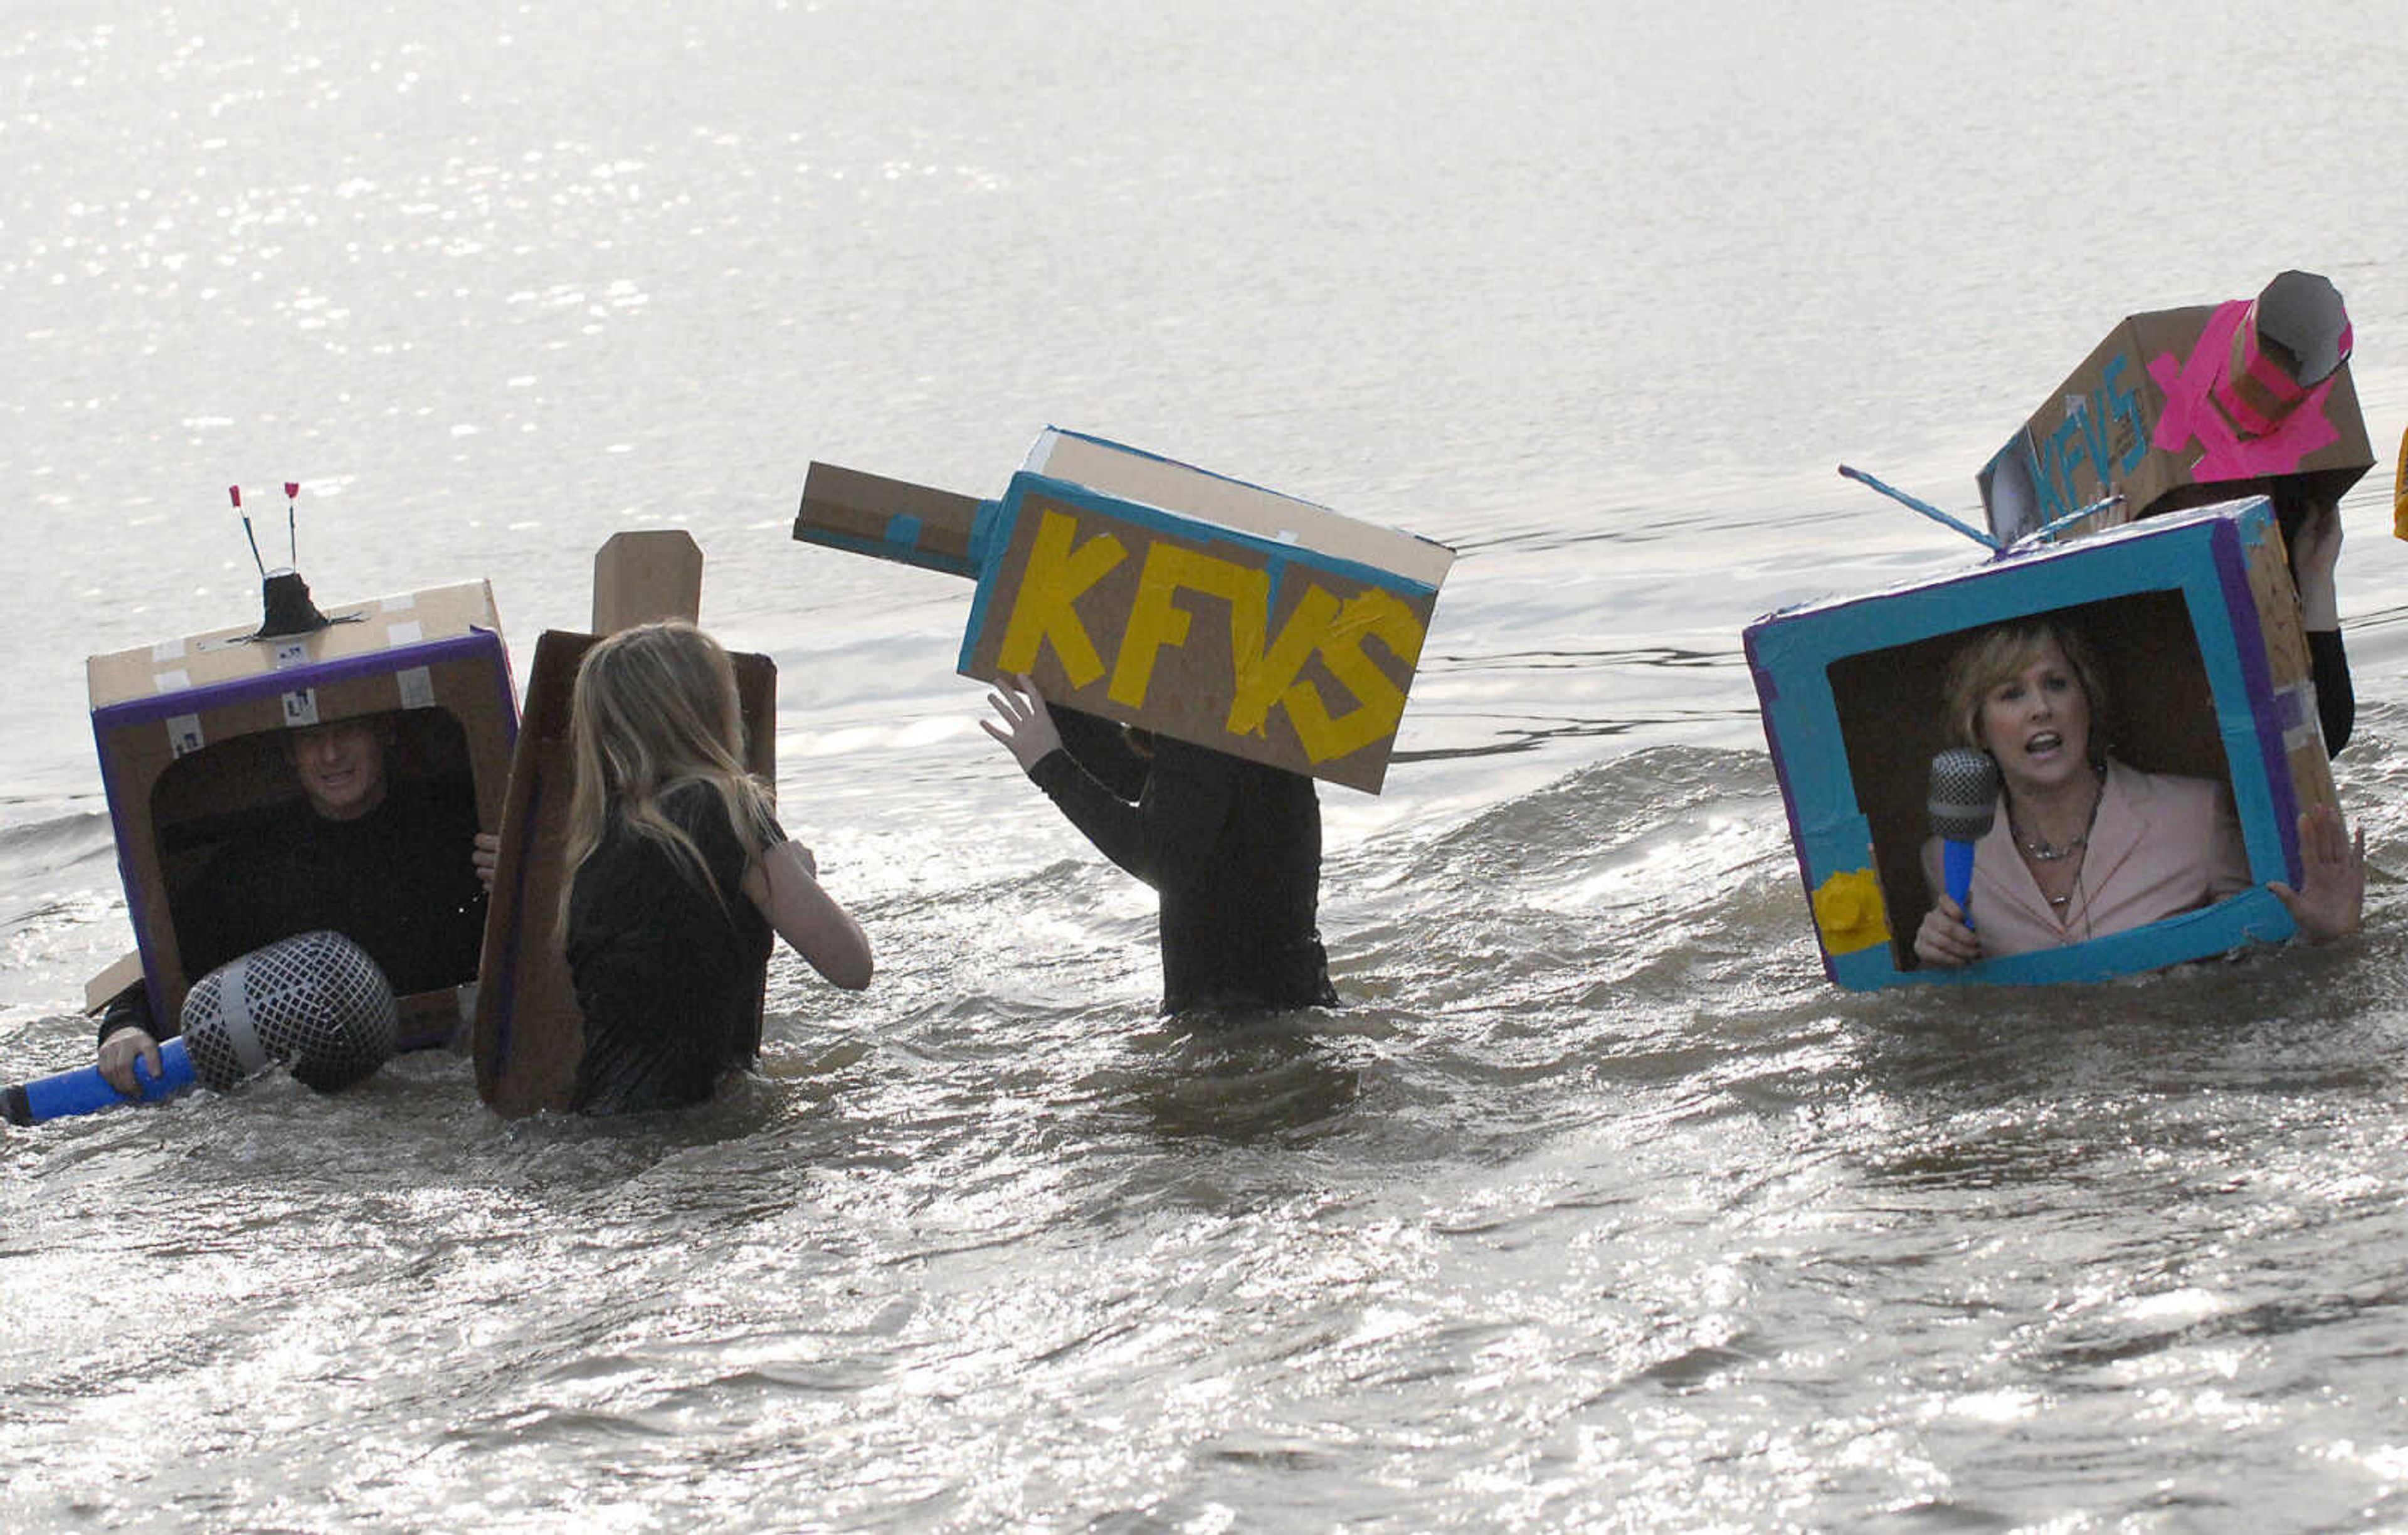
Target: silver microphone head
314	1002
1964	797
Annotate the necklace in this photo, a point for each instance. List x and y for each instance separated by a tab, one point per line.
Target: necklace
2049	853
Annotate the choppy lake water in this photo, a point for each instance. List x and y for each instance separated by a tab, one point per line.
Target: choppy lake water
1594	1206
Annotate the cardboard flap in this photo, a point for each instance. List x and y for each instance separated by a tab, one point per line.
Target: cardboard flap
644	577
891	519
109	982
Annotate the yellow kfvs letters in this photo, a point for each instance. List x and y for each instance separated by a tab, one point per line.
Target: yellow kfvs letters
1266	669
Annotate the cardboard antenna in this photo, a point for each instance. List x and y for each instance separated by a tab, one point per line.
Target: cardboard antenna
285	608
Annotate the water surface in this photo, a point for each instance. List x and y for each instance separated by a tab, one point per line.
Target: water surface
1595	1206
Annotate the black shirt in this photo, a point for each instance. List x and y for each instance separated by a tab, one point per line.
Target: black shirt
2336	696
397	882
670	975
1232	847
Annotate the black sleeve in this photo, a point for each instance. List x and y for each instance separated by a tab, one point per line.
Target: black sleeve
129	1009
1172	829
668	971
700	813
219	914
461	896
634	875
2336	697
1102	748
1109	822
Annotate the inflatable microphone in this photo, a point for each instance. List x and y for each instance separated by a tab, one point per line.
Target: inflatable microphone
1964	801
314	1003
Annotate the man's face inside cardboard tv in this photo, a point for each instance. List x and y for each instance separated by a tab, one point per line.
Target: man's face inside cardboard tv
340	766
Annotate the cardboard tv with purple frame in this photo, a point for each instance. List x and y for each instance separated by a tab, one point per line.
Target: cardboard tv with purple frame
2197	628
188	734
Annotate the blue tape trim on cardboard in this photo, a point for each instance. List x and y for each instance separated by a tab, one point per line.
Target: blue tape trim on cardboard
995	535
2202	557
889	548
2253	916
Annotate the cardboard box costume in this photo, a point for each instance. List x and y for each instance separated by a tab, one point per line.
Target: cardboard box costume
2197	624
1164	596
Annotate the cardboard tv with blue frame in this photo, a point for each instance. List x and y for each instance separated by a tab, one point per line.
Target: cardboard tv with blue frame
2197	629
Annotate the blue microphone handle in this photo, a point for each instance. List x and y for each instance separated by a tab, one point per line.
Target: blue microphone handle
1957	870
85	1090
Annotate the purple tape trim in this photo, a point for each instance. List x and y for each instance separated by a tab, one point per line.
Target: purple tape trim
136	711
134	909
2231	560
292	679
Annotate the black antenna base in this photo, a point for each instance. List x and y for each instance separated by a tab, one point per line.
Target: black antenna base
286	609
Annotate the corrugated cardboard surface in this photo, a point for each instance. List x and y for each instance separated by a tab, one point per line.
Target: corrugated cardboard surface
200	661
2196	626
1169	597
645	574
1149	479
887	519
2106	429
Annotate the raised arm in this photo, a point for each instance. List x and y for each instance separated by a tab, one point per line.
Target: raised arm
1181	799
1102	748
2315	554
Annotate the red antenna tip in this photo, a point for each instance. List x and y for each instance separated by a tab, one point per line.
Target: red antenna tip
235	493
291	489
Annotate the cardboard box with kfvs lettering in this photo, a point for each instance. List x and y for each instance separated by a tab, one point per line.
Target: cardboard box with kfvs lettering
2185	407
1168	598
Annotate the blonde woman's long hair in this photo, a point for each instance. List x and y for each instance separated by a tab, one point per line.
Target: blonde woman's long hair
655	707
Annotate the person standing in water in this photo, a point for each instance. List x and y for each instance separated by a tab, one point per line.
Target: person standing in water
2311	527
679	873
1233	848
2085	845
